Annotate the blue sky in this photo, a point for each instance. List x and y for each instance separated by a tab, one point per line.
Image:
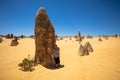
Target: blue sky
95	17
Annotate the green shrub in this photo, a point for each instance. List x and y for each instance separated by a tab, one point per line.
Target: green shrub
26	65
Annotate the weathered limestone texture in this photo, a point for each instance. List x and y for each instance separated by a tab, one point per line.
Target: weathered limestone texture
44	39
79	37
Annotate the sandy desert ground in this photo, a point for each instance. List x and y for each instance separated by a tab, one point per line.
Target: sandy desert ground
102	64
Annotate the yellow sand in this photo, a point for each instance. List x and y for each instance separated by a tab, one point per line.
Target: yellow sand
102	64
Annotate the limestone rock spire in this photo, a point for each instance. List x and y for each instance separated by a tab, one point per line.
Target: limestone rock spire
44	38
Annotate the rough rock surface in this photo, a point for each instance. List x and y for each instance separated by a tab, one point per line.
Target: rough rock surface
1	40
83	50
44	39
89	47
79	37
14	42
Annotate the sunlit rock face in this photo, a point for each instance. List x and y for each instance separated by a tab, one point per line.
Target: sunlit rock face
44	39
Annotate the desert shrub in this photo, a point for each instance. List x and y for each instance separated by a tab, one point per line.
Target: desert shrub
26	65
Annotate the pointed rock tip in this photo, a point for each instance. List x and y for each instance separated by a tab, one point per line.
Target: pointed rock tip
41	10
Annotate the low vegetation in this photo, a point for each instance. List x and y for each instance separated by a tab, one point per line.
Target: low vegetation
27	65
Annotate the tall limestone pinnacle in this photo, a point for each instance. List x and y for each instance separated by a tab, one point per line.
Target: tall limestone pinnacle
79	37
44	39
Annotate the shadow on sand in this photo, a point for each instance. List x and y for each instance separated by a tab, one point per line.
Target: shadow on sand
54	68
27	70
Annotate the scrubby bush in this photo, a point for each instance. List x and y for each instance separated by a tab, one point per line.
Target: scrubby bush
26	65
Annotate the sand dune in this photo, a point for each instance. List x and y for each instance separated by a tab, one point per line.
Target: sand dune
102	64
